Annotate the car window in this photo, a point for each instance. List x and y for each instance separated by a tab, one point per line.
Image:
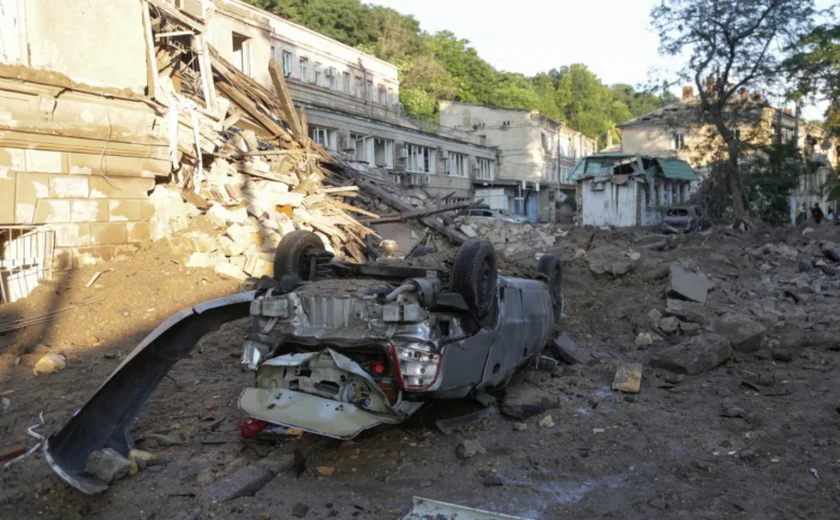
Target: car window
677	212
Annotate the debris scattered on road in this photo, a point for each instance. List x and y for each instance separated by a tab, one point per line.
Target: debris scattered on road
469	448
300	510
628	378
688	286
526	400
644	339
50	364
566	348
325	471
744	333
694	356
107	465
546	422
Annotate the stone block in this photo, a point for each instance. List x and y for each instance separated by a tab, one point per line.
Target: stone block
13	159
51	211
219	216
566	348
744	333
138	231
230	271
115	166
628	378
695	356
29	187
125	210
690	286
69	187
196	242
108	233
258	266
119	187
147	210
244	482
72	235
107	465
469	231
230	248
204	260
44	161
245	236
89	210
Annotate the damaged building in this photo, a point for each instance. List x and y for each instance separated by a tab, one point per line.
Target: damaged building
538	155
678	130
629	190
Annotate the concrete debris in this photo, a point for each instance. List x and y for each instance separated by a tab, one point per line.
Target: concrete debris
230	271
565	347
50	364
689	286
610	260
107	465
688	311
644	339
512	238
204	260
744	334
468	230
520	426
469	448
300	510
546	422
172	214
628	378
694	356
249	479
525	400
831	251
198	242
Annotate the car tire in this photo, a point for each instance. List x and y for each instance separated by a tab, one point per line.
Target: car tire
290	257
473	276
551	267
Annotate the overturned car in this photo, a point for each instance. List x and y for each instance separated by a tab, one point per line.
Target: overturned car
338	348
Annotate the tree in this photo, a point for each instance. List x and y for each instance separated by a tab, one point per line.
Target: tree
816	68
732	45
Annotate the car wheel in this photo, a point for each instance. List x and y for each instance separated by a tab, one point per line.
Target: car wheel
473	276
550	266
291	256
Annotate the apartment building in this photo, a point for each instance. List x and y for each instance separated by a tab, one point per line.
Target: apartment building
538	155
678	130
351	100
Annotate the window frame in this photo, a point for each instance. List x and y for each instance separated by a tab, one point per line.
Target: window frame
303	69
287	66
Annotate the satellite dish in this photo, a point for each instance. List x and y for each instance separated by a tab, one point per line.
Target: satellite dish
826	145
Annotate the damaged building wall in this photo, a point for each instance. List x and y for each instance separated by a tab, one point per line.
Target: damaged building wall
51	36
608	204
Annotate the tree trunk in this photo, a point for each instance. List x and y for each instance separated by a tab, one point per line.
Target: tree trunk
738	207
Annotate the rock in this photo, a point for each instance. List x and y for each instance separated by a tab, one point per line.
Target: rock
50	364
744	334
468	230
694	356
546	422
159	440
230	271
807	231
469	448
230	248
525	400
654	316
566	348
107	465
244	236
258	266
688	286
325	471
493	482
610	260
204	260
520	427
197	242
644	339
300	510
172	214
831	251
628	378
244	482
688	311
732	411
669	325
655	274
219	216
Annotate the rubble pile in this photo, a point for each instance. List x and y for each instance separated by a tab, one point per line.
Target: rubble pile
512	238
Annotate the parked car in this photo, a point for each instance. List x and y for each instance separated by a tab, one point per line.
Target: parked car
338	348
684	219
498	214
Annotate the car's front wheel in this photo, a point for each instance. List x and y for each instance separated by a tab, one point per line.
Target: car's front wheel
291	255
473	276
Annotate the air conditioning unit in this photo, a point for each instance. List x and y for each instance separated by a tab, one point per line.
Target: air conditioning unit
348	144
444	154
403	152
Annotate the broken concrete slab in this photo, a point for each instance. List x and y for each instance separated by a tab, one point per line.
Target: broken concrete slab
469	448
566	348
197	242
689	286
831	251
230	271
609	260
204	260
244	482
694	356
689	311
628	378
525	400
468	230
107	465
744	333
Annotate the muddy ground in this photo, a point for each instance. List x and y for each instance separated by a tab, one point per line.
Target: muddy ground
754	438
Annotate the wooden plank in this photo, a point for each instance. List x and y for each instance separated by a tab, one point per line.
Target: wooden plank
151	59
348	207
287	106
340	189
399	217
245	103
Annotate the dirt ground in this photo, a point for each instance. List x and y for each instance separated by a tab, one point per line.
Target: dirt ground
755	438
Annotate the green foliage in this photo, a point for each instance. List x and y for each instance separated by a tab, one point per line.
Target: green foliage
441	66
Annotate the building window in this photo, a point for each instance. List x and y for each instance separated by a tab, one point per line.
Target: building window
457	166
383	95
369	94
383	153
304	70
392	100
359	142
323	136
345	82
421	159
332	79
287	64
677	141
241	51
359	89
485	169
319	75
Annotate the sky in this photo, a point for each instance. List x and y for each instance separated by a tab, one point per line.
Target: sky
613	38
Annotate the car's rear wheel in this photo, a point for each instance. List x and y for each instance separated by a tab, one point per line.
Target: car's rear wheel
550	266
291	255
474	274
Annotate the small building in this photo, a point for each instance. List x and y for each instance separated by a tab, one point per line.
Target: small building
538	154
629	190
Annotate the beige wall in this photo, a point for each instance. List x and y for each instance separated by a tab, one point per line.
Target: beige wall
95	42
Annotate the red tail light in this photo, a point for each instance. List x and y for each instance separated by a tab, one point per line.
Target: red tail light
378	368
416	369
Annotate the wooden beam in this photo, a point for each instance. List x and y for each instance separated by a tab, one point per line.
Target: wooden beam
246	104
399	217
287	106
151	58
